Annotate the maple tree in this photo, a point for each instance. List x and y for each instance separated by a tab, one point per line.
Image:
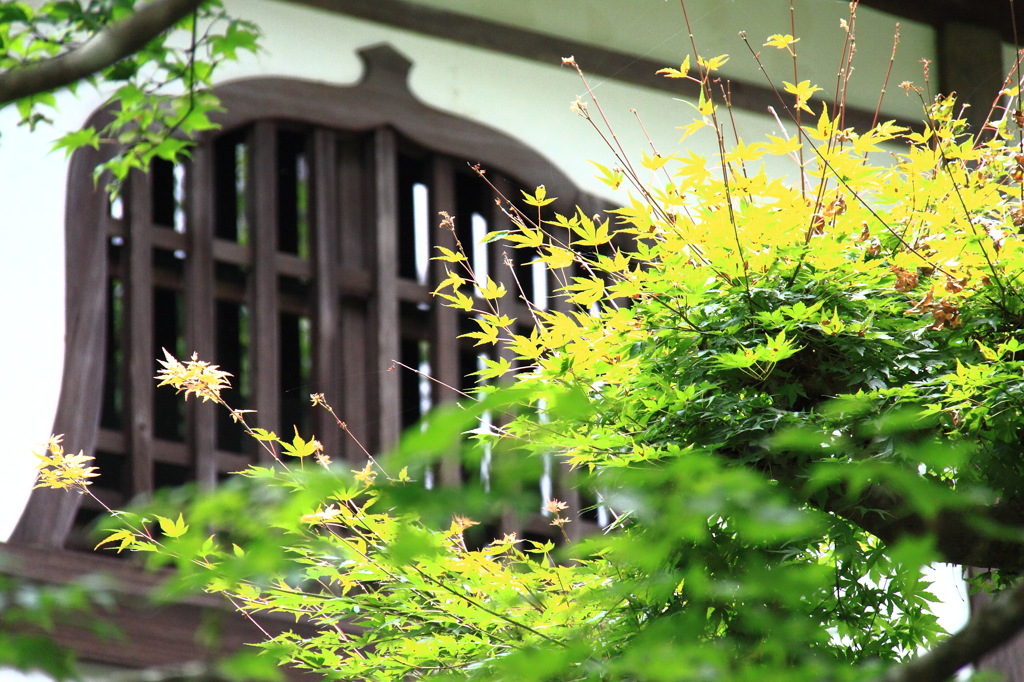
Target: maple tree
159	90
791	397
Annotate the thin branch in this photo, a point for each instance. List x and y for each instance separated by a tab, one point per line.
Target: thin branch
980	536
992	626
115	42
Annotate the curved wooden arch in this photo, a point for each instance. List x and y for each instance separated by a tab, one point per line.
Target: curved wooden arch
382	98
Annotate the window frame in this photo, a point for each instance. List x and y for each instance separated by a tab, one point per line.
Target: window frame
380	105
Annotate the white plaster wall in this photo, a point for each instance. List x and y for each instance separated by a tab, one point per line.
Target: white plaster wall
31	296
657	30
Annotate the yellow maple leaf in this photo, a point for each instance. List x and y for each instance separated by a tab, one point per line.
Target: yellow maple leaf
538	198
453	280
591	234
714	63
589	290
448	255
487	334
491	289
557	257
803	91
692	128
612	177
527	347
681	72
526	238
366	475
780	146
457	300
780	41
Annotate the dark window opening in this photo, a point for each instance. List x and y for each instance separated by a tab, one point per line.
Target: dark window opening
168	187
293	207
114	472
296	363
171	475
168	333
413	218
231	179
113	368
232	354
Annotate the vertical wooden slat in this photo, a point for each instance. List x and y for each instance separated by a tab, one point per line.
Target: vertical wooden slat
141	363
263	323
385	234
354	242
356	370
200	323
324	212
443	343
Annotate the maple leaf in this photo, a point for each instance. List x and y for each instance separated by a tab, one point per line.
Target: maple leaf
491	289
366	475
538	198
171	528
714	63
693	169
611	177
591	234
803	91
453	280
487	334
526	238
780	41
300	447
681	72
194	377
589	290
654	162
558	258
493	369
448	255
124	537
457	300
692	128
527	347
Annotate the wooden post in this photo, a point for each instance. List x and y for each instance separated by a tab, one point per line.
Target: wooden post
262	207
385	296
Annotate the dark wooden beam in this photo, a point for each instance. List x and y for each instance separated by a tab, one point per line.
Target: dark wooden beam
526	44
995	15
971	65
145	633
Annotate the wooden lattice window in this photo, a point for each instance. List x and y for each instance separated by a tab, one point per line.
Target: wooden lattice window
293	250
